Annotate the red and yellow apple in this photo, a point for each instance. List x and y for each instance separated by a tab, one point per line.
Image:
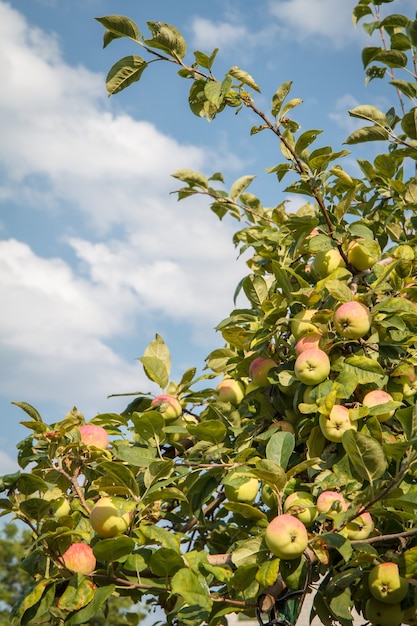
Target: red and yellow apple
312	366
94	435
334	425
79	558
352	320
301	504
168	405
230	390
111	516
330	503
379	397
259	370
245	490
386	584
286	537
326	261
301	324
307	342
359	528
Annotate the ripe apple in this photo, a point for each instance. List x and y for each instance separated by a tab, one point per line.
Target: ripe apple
312	366
360	255
359	528
386	584
307	342
286	536
326	261
259	369
244	492
110	516
93	435
382	614
79	558
169	406
338	422
230	390
352	320
301	504
379	397
301	324
330	503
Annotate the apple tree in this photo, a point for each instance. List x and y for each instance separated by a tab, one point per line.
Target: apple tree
288	467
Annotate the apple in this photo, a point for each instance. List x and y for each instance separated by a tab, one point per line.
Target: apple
379	397
360	255
307	342
286	537
283	425
338	422
259	369
301	504
352	320
312	366
230	390
326	261
359	528
409	387
386	584
330	503
301	324
245	492
59	503
79	558
110	516
93	435
169	406
269	497
381	614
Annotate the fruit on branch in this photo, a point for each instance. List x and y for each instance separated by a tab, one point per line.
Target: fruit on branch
301	504
168	405
286	536
259	370
59	503
359	528
283	425
110	517
379	397
334	425
307	342
79	558
386	584
245	490
301	324
269	497
330	503
361	256
409	386
327	261
94	435
352	320
312	366
382	614
230	390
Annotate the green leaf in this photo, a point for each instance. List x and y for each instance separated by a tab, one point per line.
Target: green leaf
78	593
239	186
339	290
250	551
203	60
271	473
369	113
391	58
194	590
243	77
366	456
165	562
216	92
123	73
29	410
120	475
194	179
118	26
364	369
84	615
213	431
367	133
135	455
409	123
256	289
155	369
114	549
31	598
305	139
410	562
158	470
167	38
280	448
279	97
165	538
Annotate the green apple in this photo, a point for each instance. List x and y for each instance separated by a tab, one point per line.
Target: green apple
326	261
79	558
333	426
409	387
312	366
359	528
362	254
269	497
110	517
301	324
330	503
93	435
352	320
169	406
230	390
301	504
245	490
286	537
382	614
386	584
59	503
259	370
307	342
379	397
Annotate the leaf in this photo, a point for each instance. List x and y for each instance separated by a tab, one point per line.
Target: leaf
192	178
216	92
280	447
367	133
339	290
84	615
120	475
256	289
118	26
305	139
167	38
366	456
243	77
364	369
165	562
213	431
123	73
113	549
135	455
279	97
271	473
29	410
369	113
158	470
194	590
32	596
250	551
79	592
239	186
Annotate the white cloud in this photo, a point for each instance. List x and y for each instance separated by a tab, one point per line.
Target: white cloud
208	34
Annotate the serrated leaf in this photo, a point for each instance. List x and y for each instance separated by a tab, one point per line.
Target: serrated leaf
125	72
29	410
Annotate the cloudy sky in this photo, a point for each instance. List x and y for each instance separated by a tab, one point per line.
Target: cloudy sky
96	255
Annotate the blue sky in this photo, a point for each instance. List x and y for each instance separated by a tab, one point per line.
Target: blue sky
96	256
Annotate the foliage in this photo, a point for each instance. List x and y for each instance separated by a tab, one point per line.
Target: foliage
199	554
